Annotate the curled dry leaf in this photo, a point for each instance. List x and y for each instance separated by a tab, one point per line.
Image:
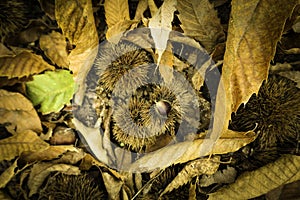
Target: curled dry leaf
22	65
23	141
54	46
200	21
190	150
76	20
18	112
192	169
8	174
40	171
255	183
52	90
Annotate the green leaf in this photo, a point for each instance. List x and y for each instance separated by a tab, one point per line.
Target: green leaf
52	90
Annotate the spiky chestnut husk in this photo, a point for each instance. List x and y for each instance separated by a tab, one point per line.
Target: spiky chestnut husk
14	15
72	187
114	61
275	111
150	116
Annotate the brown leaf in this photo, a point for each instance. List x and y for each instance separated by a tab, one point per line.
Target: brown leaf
8	174
199	20
190	150
255	183
113	33
23	65
54	46
40	171
116	11
23	141
192	169
112	185
255	28
18	112
76	20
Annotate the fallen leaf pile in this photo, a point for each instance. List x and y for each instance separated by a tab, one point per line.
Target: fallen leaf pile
57	144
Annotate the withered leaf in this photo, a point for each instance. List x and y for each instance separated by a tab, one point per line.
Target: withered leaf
22	141
192	169
255	183
18	112
116	11
199	20
254	29
8	174
76	20
190	150
4	196
227	175
112	185
54	46
141	8
23	65
113	34
152	6
40	171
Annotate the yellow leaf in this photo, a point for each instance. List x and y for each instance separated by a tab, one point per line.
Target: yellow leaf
255	183
141	8
199	20
113	33
18	112
23	141
116	11
54	46
22	65
76	20
190	150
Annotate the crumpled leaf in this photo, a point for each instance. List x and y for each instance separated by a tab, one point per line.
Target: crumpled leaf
200	21
116	11
18	113
8	174
255	183
190	150
227	175
23	141
23	64
76	20
192	169
54	46
40	171
52	90
161	25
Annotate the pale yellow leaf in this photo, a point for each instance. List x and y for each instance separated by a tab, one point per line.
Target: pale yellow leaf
8	174
192	169
54	46
141	8
199	20
255	183
190	150
22	65
153	8
116	11
18	112
23	141
40	171
76	20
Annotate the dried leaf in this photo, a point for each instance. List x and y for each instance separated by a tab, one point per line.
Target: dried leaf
255	183
52	90
190	150
141	8
116	11
40	171
254	30
18	113
50	153
76	20
227	175
200	21
4	51
166	64
152	6
23	141
8	174
113	34
4	196
192	169
22	65
113	186
161	25
54	46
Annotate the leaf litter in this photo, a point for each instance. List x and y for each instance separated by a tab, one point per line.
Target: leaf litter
34	86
